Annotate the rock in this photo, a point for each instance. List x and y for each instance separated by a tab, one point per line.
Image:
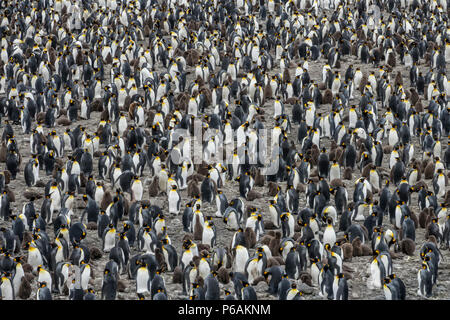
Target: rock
262	286
98	282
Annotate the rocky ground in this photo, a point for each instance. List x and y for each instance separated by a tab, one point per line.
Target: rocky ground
405	267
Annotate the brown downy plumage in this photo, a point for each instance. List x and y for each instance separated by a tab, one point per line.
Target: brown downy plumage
398	79
253	195
271	261
150	116
391	61
315	152
258	280
153	189
63	121
418	105
301	188
429	170
335	183
121	285
161	260
414	96
280	260
206	248
366	170
327	97
223	275
96	253
347	250
347	173
265	240
297	232
286	75
274	246
10	193
104	116
259	178
198	229
188	236
357	250
107	199
202	168
291	101
97	105
305	277
193	190
366	250
268	225
363	83
273	189
408	246
387	149
447	198
314	175
420	184
423	217
31	194
432	239
250	237
126	104
415	219
267	94
24	289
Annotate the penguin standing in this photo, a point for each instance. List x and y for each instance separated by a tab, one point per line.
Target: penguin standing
43	293
209	233
109	238
6	287
142	278
174	199
221	203
109	286
424	279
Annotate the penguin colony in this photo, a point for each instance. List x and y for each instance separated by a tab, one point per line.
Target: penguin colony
352	96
